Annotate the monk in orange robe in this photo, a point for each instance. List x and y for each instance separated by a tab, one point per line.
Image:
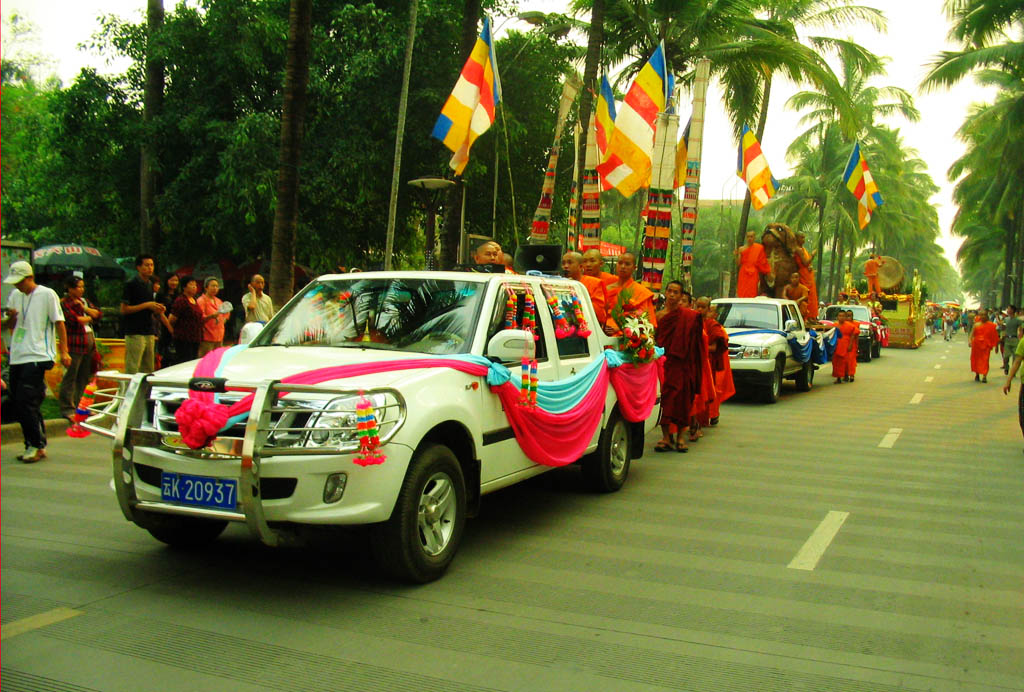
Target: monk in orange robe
797	292
871	273
592	266
803	267
572	267
705	398
851	357
628	295
718	352
679	333
753	264
841	356
984	337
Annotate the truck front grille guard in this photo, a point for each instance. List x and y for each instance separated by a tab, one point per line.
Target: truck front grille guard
132	412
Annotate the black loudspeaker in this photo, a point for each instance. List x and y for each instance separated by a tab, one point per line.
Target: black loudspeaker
542	258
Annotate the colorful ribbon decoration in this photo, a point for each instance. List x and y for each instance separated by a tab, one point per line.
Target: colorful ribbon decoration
554	432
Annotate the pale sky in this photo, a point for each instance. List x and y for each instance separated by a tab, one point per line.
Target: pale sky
917	32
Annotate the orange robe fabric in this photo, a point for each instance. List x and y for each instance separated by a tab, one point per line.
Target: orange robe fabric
983	339
720	366
803	266
598	296
679	333
840	358
640	300
753	263
871	274
608	279
705	396
851	358
796	294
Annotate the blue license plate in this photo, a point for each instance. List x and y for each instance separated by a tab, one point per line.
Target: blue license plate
199	491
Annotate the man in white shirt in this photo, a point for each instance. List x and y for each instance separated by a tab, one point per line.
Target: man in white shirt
34	313
258	305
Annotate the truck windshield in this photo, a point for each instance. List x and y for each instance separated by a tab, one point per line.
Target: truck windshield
860	312
748	315
399	314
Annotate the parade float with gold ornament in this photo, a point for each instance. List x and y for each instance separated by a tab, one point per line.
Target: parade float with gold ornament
902	312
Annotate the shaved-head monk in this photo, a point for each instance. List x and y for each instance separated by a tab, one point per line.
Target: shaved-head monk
718	352
627	295
593	264
572	267
488	252
704	397
680	334
983	339
851	356
753	264
845	334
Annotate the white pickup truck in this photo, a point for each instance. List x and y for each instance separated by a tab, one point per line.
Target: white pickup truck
760	353
445	437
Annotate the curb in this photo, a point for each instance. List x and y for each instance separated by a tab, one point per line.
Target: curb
11	432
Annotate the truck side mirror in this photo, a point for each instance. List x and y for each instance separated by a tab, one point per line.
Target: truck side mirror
791	326
511	345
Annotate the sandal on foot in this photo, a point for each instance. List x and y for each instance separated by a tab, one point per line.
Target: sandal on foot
682	448
663	446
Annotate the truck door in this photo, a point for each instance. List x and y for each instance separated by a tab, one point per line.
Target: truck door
501	455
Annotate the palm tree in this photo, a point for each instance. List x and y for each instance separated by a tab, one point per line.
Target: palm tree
286	214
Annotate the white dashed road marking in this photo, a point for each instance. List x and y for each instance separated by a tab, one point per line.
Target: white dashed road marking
890	438
34	622
916	399
937	367
808	555
929	378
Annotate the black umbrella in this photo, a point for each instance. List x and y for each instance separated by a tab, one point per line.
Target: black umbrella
58	259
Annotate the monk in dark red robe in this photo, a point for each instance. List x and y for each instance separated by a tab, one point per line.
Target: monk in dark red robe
680	334
851	356
700	416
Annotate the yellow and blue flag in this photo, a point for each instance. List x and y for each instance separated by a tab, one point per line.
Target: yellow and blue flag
626	165
752	167
469	111
859	181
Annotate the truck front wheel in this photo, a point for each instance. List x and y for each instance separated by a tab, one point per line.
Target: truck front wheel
419	541
606	469
774	386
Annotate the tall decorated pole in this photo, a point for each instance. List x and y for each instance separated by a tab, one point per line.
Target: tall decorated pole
542	217
590	217
658	224
691	186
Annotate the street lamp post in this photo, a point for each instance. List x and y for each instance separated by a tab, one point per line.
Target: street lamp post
432	188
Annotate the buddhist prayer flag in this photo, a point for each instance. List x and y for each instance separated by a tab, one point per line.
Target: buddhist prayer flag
605	121
542	216
469	111
691	179
590	226
681	154
627	161
660	196
752	167
859	181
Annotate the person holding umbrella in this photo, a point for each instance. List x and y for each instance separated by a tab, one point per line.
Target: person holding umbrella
79	317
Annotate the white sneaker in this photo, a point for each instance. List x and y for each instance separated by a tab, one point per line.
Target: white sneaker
31	455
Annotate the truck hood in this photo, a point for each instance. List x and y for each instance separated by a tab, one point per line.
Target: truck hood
751	339
278	362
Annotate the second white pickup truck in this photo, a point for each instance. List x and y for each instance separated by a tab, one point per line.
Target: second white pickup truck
760	351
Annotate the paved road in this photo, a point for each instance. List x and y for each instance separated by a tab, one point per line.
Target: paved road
909	480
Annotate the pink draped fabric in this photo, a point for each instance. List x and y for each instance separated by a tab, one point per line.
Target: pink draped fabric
636	388
551	439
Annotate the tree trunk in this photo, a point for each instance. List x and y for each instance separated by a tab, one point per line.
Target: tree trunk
1010	246
762	120
821	243
1018	299
153	101
453	199
403	100
282	257
595	42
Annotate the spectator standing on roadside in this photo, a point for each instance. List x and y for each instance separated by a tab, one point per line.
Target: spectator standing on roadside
1018	356
166	296
1010	335
138	305
34	313
79	317
258	305
187	319
213	318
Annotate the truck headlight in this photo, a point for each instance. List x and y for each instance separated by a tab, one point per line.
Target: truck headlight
334	422
757	352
